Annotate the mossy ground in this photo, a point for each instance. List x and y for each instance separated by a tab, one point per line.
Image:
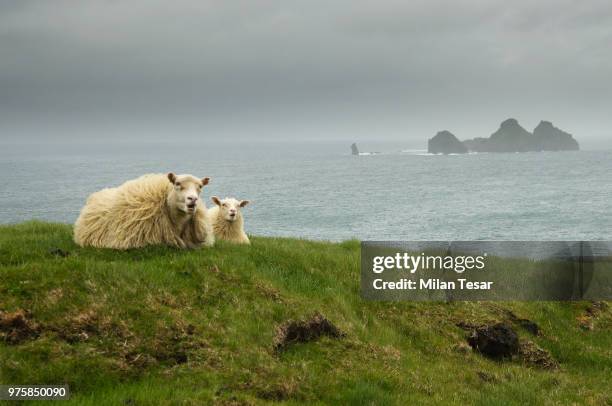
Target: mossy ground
163	326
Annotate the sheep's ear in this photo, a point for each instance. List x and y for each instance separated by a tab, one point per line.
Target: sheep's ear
244	203
216	200
205	181
172	177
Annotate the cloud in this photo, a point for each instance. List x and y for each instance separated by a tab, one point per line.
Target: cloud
342	68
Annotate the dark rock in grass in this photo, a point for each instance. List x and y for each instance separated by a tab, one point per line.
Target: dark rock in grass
590	315
496	341
180	357
531	326
533	355
303	331
58	252
80	327
596	308
17	327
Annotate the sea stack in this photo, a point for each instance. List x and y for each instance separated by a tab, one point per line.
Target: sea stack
511	137
445	142
547	137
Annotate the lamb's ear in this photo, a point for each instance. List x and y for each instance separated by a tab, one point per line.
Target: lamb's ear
216	200
244	203
172	177
205	181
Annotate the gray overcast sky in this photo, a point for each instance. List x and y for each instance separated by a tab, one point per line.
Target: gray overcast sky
344	69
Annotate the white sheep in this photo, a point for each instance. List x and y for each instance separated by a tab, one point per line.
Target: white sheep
150	210
226	219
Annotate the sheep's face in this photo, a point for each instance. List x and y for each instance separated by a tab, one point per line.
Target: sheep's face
229	208
186	191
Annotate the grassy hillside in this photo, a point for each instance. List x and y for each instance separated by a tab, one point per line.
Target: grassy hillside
159	325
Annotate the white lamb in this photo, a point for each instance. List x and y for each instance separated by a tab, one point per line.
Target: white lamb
226	219
150	210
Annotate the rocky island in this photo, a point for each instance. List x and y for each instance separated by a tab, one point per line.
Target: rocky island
445	142
510	137
547	137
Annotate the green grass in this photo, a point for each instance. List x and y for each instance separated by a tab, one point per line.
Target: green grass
162	326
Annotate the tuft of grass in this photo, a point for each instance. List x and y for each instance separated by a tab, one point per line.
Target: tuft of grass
159	325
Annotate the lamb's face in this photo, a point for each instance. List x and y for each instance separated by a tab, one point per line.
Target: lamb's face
186	192
229	208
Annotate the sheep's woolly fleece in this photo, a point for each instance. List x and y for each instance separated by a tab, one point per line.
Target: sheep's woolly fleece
224	227
140	213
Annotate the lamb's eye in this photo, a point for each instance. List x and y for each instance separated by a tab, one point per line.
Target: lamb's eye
224	205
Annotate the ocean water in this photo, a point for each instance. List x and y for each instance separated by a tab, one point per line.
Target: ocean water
319	191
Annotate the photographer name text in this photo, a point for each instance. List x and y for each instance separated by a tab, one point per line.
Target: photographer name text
411	263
